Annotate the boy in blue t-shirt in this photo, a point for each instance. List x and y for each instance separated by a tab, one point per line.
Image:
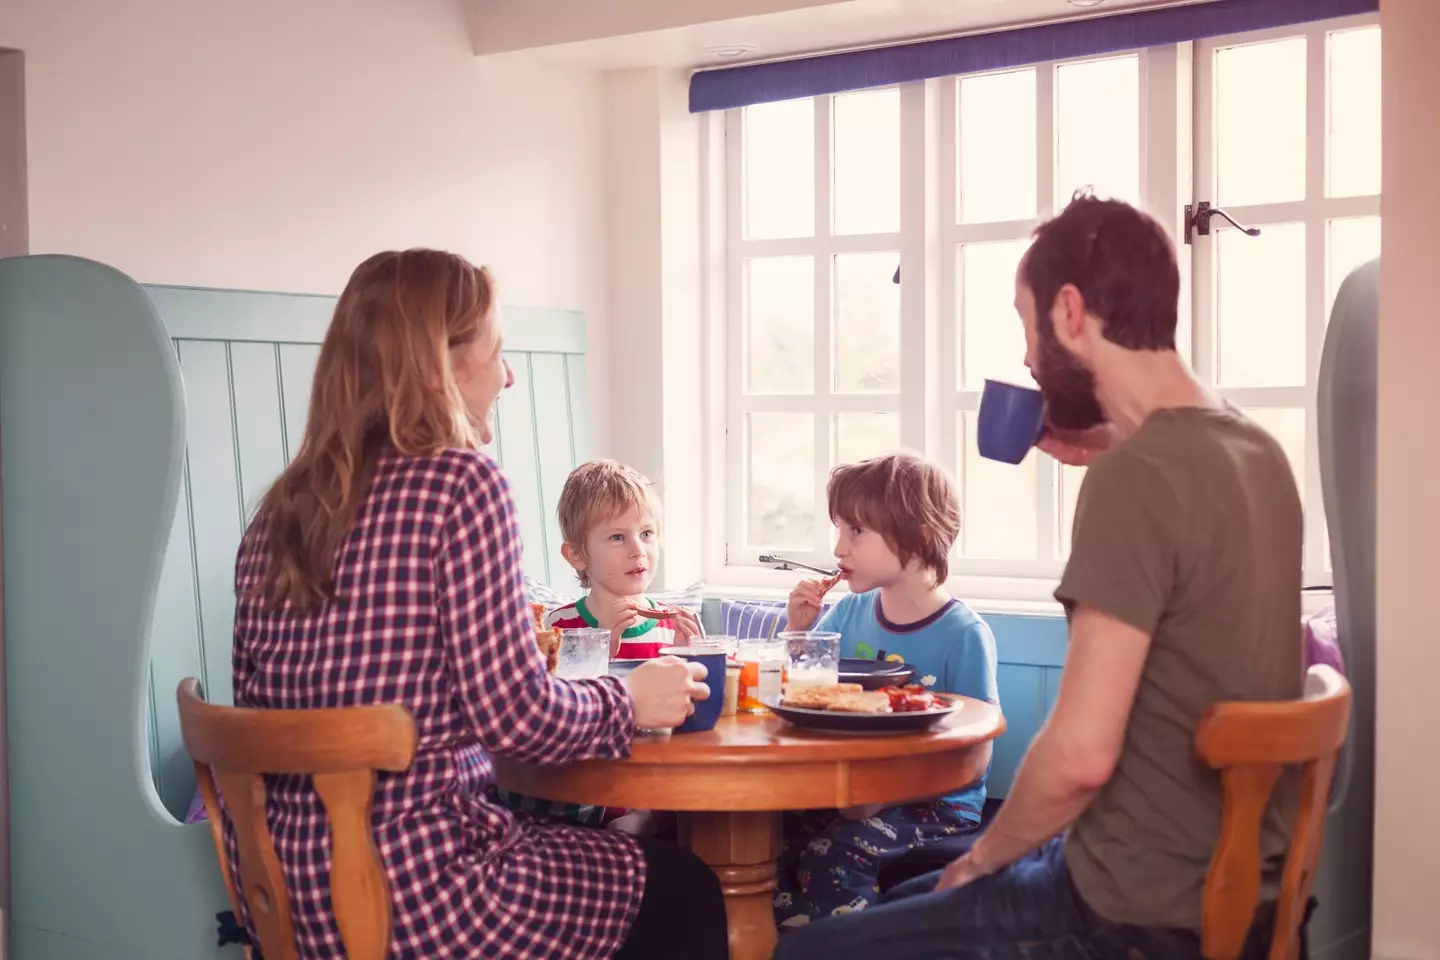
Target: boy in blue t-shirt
897	518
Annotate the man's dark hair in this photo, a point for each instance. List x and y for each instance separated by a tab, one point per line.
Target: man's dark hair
1122	262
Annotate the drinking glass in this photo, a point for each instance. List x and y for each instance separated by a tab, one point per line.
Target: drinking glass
762	674
813	656
584	654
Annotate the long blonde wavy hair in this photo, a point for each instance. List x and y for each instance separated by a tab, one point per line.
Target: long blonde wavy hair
383	382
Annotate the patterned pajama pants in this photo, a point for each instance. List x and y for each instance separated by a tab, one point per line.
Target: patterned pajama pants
831	865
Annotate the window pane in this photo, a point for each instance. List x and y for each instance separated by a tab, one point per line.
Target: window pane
867	323
1097	128
780	325
997	505
997	147
867	162
1070	480
1261	322
1353	137
1260	122
780	170
1288	428
859	436
1353	242
992	341
781	456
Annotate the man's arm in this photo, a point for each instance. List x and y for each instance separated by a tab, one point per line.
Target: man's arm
1075	753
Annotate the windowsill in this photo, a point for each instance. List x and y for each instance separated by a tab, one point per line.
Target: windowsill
1011	596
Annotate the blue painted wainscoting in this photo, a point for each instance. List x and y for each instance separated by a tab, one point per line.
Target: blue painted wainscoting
1031	653
247	360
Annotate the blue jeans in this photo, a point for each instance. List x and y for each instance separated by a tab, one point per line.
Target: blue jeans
1030	911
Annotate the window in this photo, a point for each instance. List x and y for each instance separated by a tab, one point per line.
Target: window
1287	140
829	360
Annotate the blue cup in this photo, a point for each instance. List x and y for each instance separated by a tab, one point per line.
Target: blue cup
1011	421
707	711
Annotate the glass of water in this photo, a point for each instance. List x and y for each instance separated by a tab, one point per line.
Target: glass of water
584	654
814	656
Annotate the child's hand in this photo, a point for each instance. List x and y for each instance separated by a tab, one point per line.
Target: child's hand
687	625
804	607
621	616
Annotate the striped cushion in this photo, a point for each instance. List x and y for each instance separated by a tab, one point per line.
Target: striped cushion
747	619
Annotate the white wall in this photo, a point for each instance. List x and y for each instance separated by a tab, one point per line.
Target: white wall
273	145
499	25
654	190
1407	714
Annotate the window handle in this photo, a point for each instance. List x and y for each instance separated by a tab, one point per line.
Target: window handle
1197	219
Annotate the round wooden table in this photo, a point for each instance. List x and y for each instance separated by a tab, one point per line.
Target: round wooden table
730	784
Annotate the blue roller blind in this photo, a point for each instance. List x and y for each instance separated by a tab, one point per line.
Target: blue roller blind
1095	36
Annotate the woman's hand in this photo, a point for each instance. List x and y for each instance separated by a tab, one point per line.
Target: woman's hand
803	609
663	691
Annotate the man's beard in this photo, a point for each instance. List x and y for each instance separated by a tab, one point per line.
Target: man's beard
1068	386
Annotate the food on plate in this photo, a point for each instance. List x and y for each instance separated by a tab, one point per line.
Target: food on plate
840	697
547	640
911	699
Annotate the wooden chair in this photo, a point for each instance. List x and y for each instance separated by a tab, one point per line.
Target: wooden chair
340	749
1251	744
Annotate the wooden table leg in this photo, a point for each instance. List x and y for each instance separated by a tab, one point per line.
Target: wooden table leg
742	849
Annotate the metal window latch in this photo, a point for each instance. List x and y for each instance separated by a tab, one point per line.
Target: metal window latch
1197	221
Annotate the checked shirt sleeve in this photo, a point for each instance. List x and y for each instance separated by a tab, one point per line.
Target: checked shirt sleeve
516	707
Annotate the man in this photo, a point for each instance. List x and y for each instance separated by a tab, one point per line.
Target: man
1182	589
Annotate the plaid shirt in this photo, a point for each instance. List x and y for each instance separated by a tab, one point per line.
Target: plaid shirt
431	615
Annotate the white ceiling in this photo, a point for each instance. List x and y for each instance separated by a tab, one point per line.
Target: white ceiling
817	26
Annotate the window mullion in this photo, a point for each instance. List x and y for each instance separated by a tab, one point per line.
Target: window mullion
736	447
824	319
948	339
1046	468
1317	230
920	216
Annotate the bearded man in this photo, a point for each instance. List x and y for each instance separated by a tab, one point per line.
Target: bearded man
1182	589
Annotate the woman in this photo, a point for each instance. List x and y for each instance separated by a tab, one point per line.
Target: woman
384	567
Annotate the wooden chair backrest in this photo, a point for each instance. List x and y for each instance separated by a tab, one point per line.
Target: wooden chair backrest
1251	744
340	749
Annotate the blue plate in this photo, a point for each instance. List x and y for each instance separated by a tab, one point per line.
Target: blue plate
875	674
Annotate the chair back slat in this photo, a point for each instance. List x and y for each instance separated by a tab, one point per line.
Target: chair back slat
339	749
357	881
1251	744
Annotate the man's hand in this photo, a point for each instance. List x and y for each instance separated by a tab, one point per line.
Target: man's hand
1077	448
960	872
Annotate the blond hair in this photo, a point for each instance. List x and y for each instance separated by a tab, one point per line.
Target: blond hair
382	382
599	491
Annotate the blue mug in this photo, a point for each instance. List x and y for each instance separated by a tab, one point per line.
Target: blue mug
1011	421
707	711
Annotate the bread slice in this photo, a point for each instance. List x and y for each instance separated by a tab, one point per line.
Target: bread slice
841	697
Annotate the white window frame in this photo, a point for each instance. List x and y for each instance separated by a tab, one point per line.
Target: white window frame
1314	212
1175	82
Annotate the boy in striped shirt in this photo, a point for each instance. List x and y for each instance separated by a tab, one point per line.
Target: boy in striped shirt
610	520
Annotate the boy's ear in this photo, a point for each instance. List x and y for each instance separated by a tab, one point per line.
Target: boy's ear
573	556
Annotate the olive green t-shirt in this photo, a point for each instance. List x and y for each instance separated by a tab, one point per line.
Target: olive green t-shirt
1192	531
